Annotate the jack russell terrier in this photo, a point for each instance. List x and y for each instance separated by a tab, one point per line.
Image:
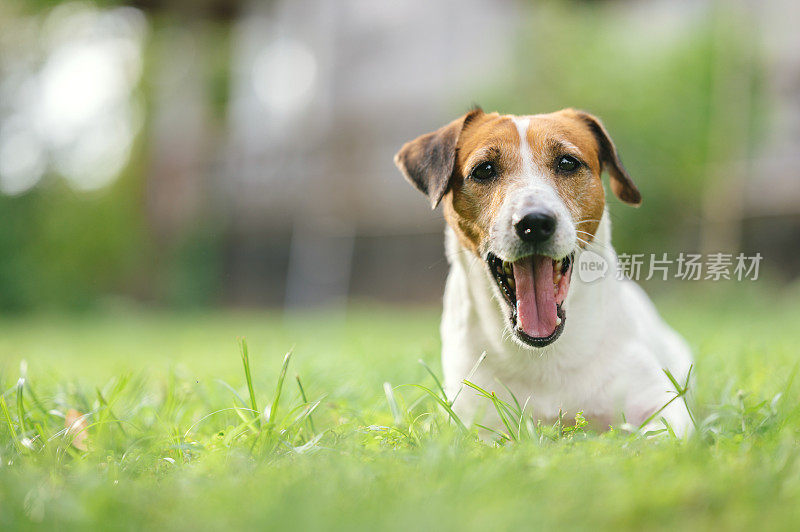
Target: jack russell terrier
524	201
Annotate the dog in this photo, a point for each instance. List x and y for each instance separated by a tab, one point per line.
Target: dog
523	202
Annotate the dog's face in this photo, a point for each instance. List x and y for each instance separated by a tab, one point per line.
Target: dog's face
523	194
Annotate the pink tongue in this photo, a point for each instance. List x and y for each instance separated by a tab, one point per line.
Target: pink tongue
536	301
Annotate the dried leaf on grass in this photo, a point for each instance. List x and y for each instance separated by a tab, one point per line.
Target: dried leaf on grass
76	425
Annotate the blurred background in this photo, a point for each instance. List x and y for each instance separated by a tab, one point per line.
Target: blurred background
196	153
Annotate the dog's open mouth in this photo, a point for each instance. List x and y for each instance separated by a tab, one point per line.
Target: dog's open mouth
535	287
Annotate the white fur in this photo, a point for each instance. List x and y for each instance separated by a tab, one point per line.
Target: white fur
608	362
523	123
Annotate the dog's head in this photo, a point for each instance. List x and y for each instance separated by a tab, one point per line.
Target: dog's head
523	193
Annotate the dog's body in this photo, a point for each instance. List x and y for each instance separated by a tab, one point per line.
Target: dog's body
522	197
607	362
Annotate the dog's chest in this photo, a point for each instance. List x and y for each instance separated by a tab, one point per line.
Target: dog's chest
565	378
552	385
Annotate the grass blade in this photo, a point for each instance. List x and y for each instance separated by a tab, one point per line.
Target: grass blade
245	420
35	398
680	392
107	411
673	380
444	404
495	432
10	423
21	405
247	375
503	409
657	412
435	379
514	397
469	375
389	391
273	410
232	390
305	400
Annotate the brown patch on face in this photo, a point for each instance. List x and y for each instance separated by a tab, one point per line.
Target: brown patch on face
564	133
471	207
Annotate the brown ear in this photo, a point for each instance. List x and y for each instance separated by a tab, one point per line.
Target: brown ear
621	183
427	162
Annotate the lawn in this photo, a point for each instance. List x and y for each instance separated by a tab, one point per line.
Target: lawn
171	441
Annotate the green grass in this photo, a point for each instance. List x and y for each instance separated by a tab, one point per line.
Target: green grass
191	428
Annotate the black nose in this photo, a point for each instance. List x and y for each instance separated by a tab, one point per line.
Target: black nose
536	226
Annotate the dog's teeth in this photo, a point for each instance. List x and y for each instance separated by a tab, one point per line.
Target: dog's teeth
510	281
558	321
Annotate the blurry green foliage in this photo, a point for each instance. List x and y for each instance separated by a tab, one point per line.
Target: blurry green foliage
64	248
61	247
655	84
654	88
193	266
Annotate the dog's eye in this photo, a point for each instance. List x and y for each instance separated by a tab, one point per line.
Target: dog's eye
483	171
567	163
